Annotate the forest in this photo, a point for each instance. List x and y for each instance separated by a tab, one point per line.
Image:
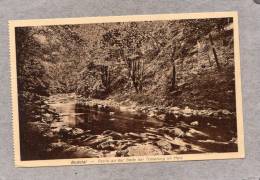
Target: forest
126	89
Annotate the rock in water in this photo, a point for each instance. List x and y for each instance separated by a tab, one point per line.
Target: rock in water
107	145
96	140
187	112
107	132
111	113
194	123
151	114
144	150
76	132
165	145
226	112
176	132
70	149
113	134
161	117
196	133
174	109
65	131
134	135
152	130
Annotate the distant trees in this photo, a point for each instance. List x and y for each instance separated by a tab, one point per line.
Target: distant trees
124	43
128	53
30	70
196	29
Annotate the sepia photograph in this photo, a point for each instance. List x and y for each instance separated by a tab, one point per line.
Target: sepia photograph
126	89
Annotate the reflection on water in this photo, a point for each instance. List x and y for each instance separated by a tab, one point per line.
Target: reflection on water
98	120
101	119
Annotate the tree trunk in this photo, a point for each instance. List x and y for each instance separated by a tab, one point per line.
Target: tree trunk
105	78
136	73
209	59
175	54
173	80
214	52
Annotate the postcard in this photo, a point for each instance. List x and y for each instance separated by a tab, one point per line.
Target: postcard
126	89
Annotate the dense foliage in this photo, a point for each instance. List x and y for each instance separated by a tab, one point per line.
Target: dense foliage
122	60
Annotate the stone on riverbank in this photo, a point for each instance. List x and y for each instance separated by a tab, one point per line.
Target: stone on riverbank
132	135
38	127
113	134
58	146
107	145
196	133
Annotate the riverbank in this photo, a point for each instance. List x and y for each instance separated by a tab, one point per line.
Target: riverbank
158	111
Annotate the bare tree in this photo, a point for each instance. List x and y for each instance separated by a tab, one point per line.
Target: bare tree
175	54
105	77
214	51
135	66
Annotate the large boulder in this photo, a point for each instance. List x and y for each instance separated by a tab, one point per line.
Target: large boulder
176	132
96	140
69	132
107	145
86	152
164	145
122	153
194	123
195	133
57	147
75	132
113	134
144	150
187	112
48	117
133	135
161	117
65	131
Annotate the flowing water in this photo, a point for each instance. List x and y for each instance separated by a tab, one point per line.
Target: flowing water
98	118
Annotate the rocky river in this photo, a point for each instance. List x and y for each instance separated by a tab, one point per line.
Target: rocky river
79	128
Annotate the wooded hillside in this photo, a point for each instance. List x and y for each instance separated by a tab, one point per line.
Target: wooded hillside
164	62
